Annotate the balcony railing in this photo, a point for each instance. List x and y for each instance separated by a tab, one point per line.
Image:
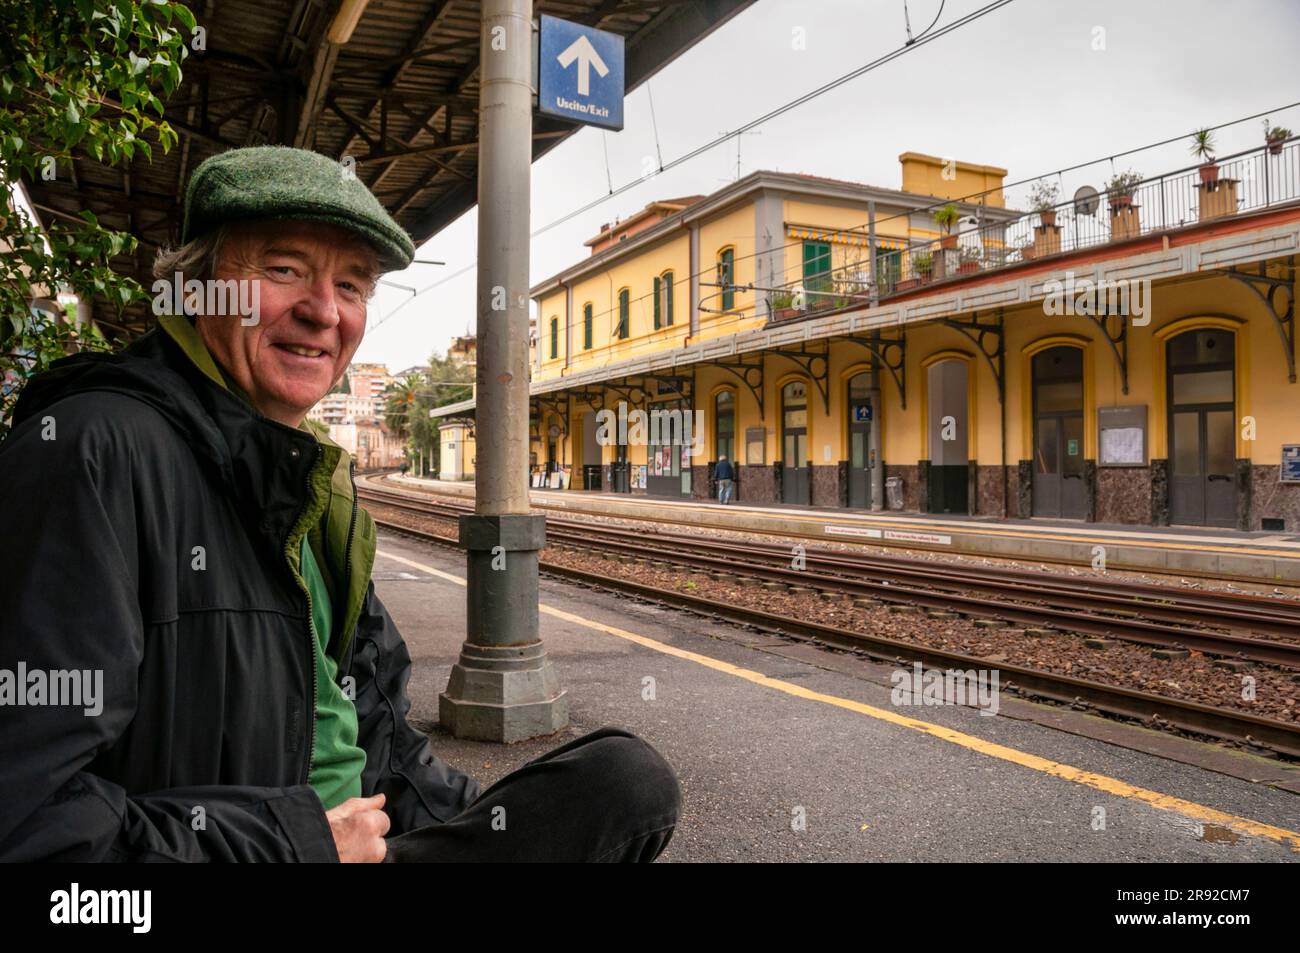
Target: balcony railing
1246	182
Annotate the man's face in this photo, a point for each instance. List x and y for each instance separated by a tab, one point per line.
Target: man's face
314	281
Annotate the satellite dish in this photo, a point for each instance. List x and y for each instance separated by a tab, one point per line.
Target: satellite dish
1086	200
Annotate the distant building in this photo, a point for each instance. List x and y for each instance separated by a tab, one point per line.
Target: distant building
648	217
370	442
344	408
415	370
456	451
356	419
464	350
368	380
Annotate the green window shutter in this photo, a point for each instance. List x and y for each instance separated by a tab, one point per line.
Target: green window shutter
726	276
817	268
668	299
555	337
586	327
889	268
623	316
658	325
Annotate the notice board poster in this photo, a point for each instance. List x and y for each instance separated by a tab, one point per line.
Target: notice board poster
1122	436
1290	472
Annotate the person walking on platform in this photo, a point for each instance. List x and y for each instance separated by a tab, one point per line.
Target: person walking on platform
188	571
725	474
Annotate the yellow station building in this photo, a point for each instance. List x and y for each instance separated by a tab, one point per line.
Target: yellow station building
1125	358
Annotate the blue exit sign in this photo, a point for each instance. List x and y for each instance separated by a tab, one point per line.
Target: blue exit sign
580	73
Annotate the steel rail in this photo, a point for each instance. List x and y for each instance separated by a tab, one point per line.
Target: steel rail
1193	717
1072	612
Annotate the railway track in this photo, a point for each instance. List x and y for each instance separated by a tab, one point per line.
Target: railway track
1188	716
1220	624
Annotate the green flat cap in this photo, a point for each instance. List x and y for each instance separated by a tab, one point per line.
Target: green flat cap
281	183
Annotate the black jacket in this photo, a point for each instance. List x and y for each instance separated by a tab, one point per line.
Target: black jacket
201	751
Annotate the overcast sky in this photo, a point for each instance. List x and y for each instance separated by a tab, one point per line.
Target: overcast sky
1032	87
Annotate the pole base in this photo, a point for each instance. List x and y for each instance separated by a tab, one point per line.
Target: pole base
503	694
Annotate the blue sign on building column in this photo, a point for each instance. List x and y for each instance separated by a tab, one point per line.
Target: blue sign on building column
580	73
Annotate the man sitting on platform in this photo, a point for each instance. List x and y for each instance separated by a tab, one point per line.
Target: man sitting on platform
175	532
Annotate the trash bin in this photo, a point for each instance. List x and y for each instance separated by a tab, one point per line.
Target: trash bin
894	493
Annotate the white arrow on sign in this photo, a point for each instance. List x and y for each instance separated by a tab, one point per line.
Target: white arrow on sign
588	59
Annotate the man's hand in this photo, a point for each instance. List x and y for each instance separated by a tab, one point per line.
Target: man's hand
359	825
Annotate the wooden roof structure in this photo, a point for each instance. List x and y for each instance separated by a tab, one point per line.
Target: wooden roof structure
400	97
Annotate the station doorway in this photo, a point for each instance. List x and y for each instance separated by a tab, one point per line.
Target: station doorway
590	452
948	424
795	465
1059	488
862	455
724	430
1202	428
668	466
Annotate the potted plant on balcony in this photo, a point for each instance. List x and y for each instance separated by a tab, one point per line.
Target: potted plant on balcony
971	256
782	305
922	265
1042	198
1121	187
946	218
1203	148
1124	220
1276	137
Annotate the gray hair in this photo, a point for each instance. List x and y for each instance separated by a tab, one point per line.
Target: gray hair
199	257
196	258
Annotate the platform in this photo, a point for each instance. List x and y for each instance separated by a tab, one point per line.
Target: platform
1217	553
787	752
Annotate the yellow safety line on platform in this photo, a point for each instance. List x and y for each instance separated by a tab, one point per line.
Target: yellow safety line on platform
1165	802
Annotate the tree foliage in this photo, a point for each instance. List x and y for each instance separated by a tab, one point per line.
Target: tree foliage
408	401
84	79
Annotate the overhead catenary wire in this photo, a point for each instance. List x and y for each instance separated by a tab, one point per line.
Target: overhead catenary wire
907	22
939	203
922	39
713	143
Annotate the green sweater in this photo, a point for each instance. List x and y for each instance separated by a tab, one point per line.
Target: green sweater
336	761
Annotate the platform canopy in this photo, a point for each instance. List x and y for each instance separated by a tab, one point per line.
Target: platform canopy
391	83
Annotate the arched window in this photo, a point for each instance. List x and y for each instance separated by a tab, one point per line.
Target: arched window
624	314
860	413
586	326
724	425
795	486
1059	488
727	277
1201	389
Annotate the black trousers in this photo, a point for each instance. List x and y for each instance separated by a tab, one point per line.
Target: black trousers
605	797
